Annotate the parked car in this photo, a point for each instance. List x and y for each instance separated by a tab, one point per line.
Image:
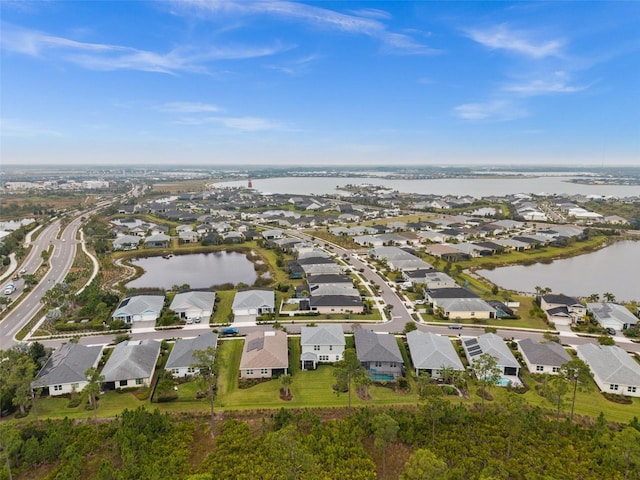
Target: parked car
455	326
611	331
229	331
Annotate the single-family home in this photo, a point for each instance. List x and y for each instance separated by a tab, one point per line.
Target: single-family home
562	309
126	242
612	315
64	371
159	240
458	308
543	357
264	355
329	304
379	354
131	364
138	308
194	305
493	345
272	234
182	361
321	344
432	353
253	302
614	371
434	280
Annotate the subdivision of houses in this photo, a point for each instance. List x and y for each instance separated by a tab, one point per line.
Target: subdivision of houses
543	357
321	344
431	353
379	354
264	355
131	364
614	371
182	361
64	371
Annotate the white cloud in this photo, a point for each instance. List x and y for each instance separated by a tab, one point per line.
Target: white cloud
496	110
16	128
503	38
558	83
245	124
295	67
367	22
189	107
98	56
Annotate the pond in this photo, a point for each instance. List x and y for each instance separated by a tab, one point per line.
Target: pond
200	270
613	269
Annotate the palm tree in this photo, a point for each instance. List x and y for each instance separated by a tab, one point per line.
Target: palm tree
92	389
609	297
594	297
285	380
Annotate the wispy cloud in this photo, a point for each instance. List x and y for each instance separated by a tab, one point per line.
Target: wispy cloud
496	110
558	83
502	37
15	128
188	107
295	67
367	22
100	56
245	124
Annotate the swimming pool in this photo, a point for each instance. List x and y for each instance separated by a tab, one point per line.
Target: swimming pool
503	382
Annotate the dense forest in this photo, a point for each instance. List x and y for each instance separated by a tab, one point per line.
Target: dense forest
437	440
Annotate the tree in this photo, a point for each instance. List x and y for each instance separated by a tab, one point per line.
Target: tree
385	431
486	370
577	372
344	371
423	464
609	297
10	443
208	364
92	389
625	449
594	297
555	390
285	380
362	382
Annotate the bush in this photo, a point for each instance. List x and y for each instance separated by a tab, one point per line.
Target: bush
74	402
616	398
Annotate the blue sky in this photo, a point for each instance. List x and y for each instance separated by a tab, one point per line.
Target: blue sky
319	83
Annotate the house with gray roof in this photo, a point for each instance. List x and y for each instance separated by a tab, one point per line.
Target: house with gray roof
434	280
330	304
126	242
458	308
64	371
612	315
181	361
379	354
493	345
264	354
131	364
562	309
194	305
139	308
543	357
614	371
321	344
253	302
431	353
159	240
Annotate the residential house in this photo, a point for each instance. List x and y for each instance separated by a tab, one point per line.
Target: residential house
543	357
159	240
64	371
614	371
272	234
139	308
430	353
264	355
194	305
493	345
126	242
253	302
379	354
182	361
131	364
321	344
562	310
435	280
612	315
458	308
333	304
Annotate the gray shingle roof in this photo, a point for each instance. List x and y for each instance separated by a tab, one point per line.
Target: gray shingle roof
265	350
67	365
550	354
199	300
140	304
132	360
322	335
493	345
182	354
610	363
253	299
431	351
371	347
607	312
464	305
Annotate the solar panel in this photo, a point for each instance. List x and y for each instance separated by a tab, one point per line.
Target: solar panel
471	341
475	348
475	353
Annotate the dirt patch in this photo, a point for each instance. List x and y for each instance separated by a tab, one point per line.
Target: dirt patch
397	455
286	396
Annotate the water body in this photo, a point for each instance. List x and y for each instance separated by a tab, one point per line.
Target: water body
200	270
612	269
476	187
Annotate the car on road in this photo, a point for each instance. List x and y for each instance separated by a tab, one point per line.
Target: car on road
611	331
229	331
9	289
455	326
23	271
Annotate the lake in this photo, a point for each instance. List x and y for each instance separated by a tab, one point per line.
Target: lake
612	269
200	270
476	187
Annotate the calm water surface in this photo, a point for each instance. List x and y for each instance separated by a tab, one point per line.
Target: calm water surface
476	187
613	269
201	270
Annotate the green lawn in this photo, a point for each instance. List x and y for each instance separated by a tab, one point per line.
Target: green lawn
223	306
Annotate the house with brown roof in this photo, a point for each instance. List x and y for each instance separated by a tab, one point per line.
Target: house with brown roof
264	355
